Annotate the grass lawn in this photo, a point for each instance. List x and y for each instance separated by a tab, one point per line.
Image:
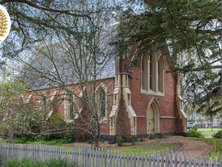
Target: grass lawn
152	148
208	129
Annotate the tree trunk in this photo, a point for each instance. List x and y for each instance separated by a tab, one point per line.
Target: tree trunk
3	134
211	120
96	138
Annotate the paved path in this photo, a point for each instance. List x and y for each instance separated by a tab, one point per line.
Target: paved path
193	147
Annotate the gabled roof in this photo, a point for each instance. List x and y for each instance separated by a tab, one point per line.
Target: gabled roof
66	56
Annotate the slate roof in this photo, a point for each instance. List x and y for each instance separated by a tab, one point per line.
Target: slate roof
43	74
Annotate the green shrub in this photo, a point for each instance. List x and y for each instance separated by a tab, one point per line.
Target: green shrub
119	141
89	142
194	133
45	137
217	135
134	139
27	162
82	139
142	139
194	128
27	137
50	142
19	141
7	140
71	136
215	150
161	136
152	136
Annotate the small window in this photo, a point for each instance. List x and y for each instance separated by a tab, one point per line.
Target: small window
68	106
43	102
102	103
71	106
160	75
150	71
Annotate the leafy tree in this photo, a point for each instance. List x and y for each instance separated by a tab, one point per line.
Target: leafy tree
16	116
33	20
188	31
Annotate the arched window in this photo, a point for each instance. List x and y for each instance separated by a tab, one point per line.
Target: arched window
160	75
145	73
68	105
43	102
101	101
71	101
151	71
152	76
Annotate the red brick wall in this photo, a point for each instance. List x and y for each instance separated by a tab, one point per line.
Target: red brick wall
139	101
110	85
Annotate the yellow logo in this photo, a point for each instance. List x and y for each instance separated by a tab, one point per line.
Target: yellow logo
5	23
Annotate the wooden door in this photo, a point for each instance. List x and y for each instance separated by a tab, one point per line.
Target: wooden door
150	120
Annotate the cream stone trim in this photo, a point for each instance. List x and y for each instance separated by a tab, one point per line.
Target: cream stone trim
51	99
135	51
141	116
127	98
26	101
159	56
77	115
103	86
179	100
167	117
157	64
53	95
115	108
155	106
40	99
49	114
67	104
80	109
152	93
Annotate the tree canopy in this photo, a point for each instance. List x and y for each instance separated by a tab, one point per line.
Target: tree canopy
34	20
188	31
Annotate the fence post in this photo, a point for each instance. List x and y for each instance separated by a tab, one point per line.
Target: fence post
162	158
175	159
205	161
134	159
154	156
150	159
199	162
167	157
138	159
89	156
158	158
215	162
210	162
195	161
220	162
171	158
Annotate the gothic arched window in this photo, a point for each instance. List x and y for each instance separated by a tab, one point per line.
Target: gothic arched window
152	75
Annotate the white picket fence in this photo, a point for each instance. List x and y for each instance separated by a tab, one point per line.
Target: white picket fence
96	157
